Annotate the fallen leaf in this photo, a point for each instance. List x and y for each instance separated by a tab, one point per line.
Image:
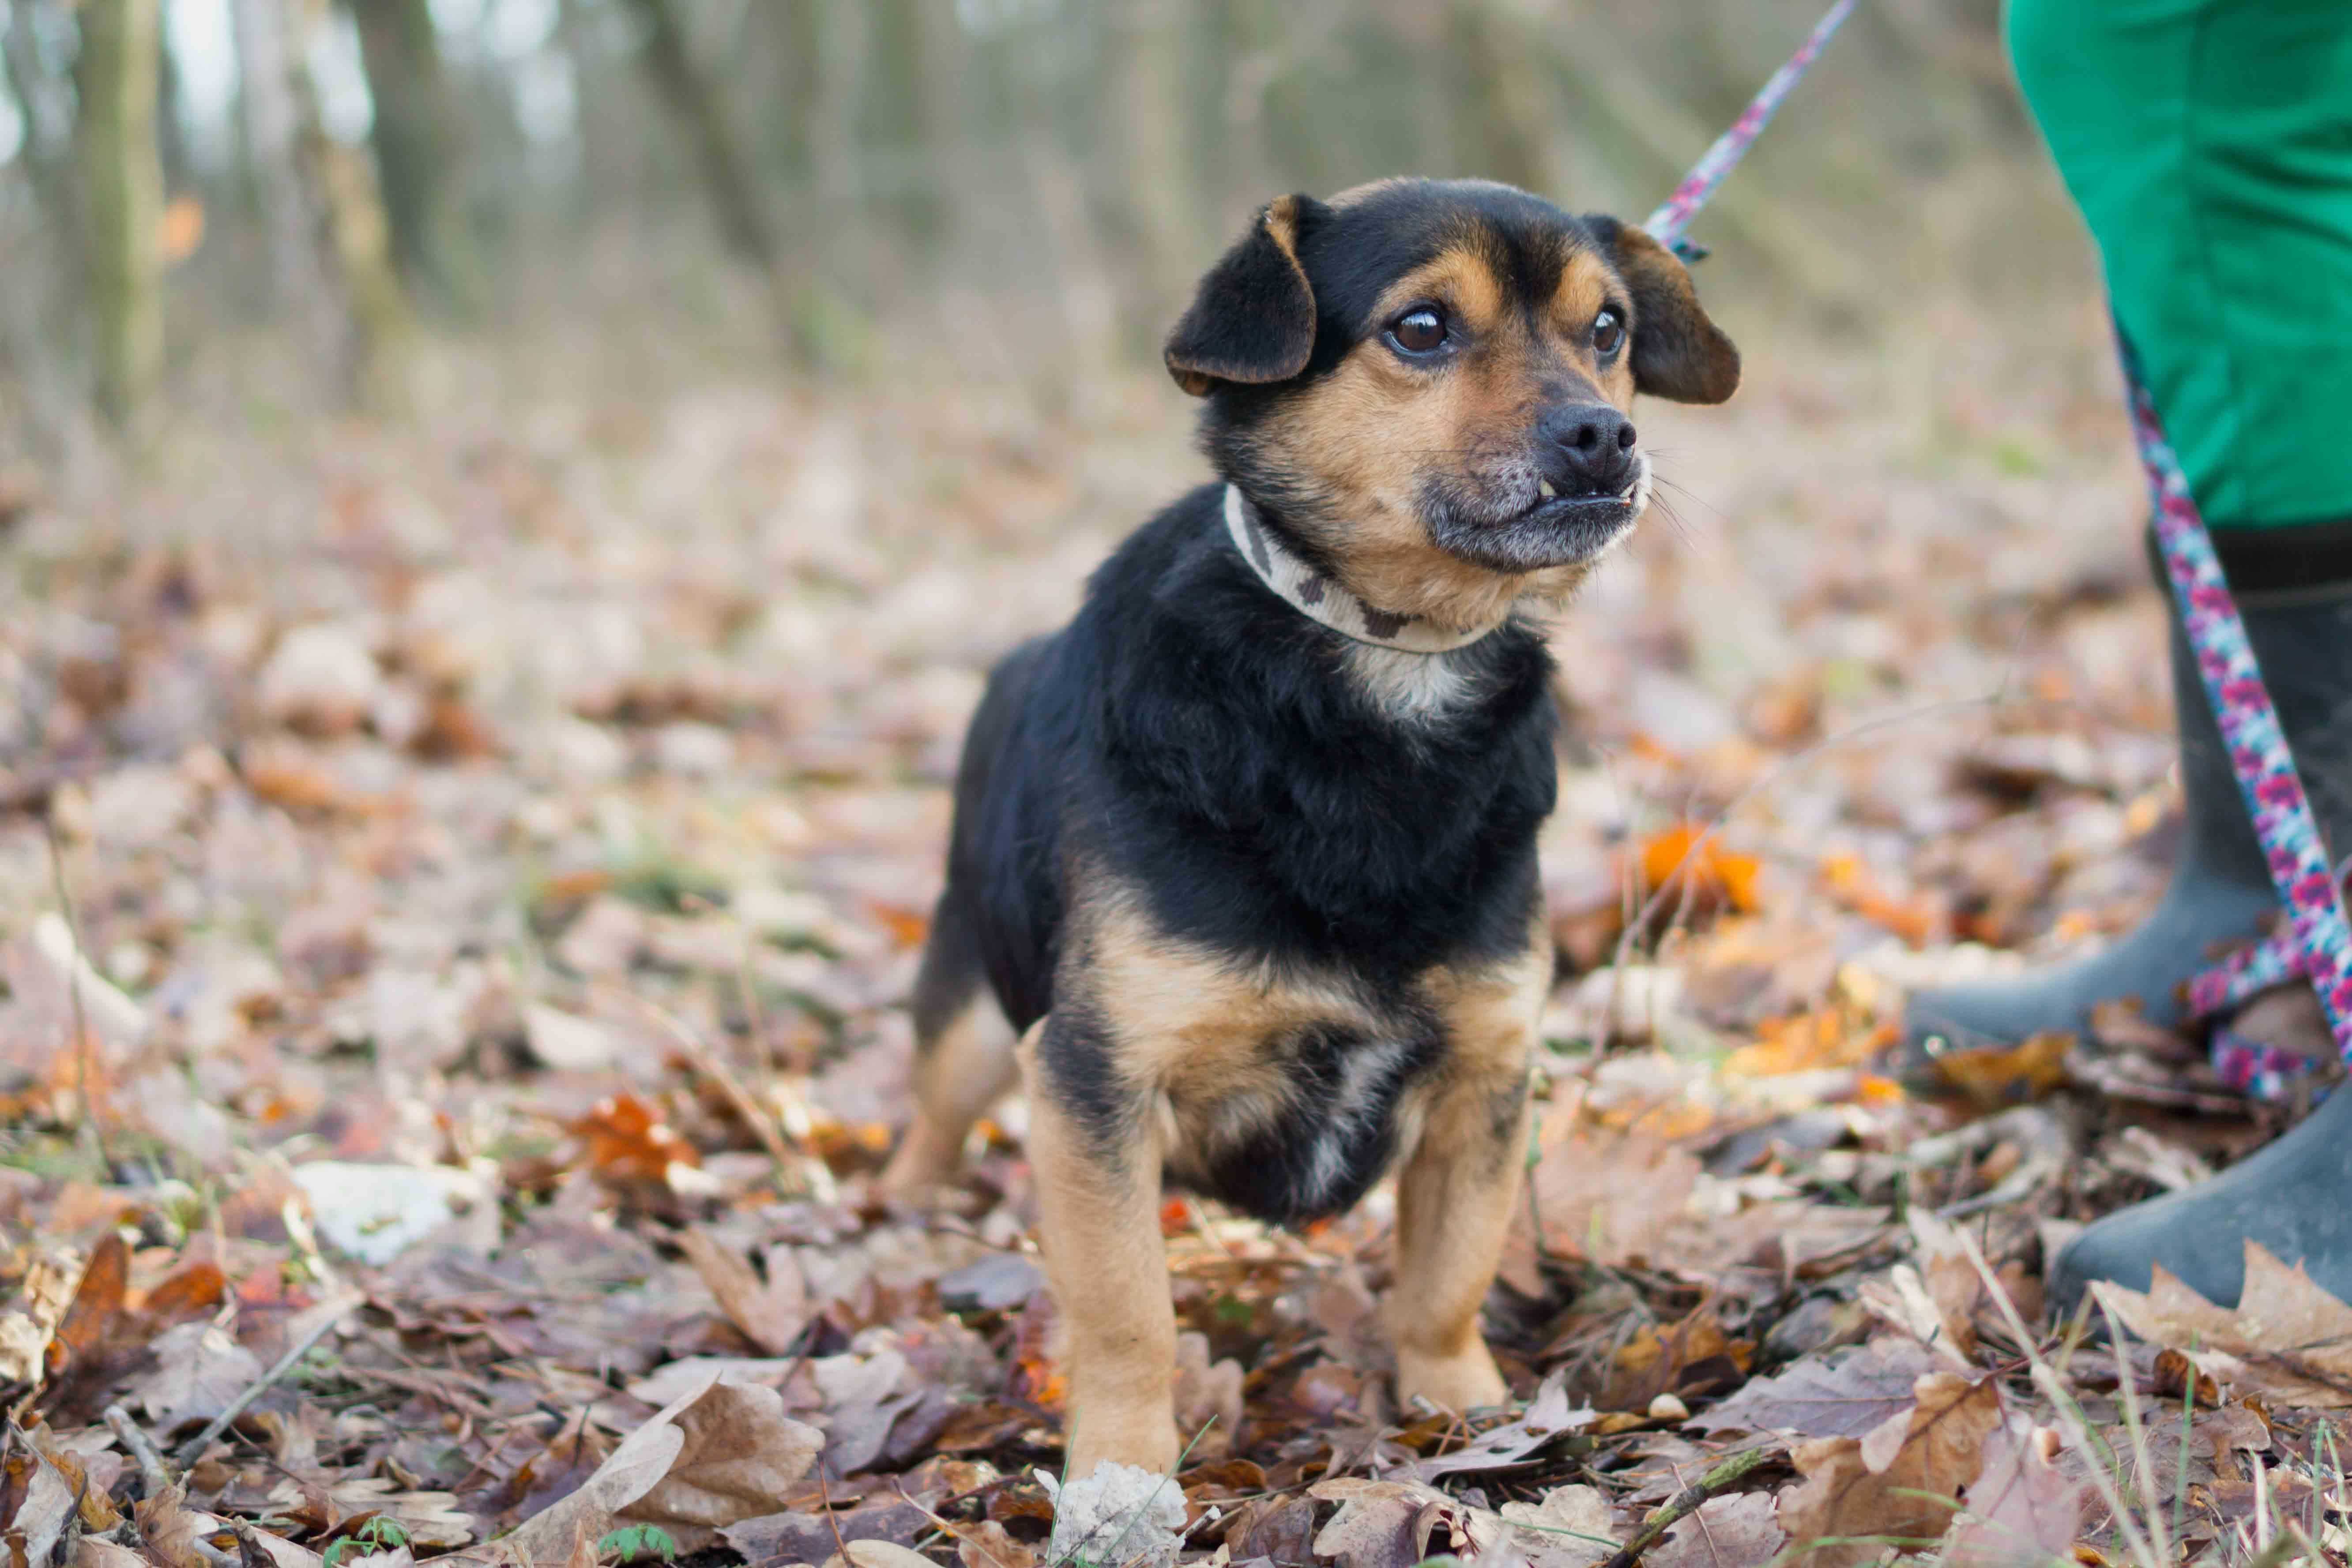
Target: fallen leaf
1396	1524
1571	1527
1208	1398
2287	1338
1599	1196
814	1537
198	1371
2022	1509
771	1313
1844	1397
1742	1530
629	1144
1548	1417
1993	1076
718	1455
1858	1496
97	1308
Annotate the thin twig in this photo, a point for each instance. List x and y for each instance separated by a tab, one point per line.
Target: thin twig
84	1046
706	1062
189	1452
1683	1504
140	1448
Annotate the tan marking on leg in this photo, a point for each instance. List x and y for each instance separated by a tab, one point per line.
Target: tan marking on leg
958	1076
1100	1220
1460	1178
1191	1032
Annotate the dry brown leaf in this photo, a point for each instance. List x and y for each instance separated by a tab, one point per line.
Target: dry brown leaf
97	1308
2022	1508
1396	1524
1824	1398
1737	1531
878	1554
1992	1076
716	1455
2287	1338
199	1370
1571	1527
1550	1417
989	1544
46	1520
771	1313
89	1552
1208	1399
1859	1495
1602	1196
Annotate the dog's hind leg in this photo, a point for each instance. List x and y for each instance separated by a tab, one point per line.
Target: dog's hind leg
963	1051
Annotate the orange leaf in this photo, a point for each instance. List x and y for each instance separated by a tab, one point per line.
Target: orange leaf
182	229
906	927
96	1307
628	1144
1715	877
193	1292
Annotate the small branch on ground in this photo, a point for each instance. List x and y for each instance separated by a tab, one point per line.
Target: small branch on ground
1683	1504
141	1449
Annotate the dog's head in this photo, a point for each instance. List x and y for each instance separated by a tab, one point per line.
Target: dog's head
1429	384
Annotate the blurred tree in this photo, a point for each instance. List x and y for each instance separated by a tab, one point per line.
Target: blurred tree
696	103
42	99
122	181
414	136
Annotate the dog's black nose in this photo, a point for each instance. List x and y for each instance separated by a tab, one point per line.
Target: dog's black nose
1585	448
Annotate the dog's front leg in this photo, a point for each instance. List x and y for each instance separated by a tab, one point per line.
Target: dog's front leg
1454	1205
1098	1209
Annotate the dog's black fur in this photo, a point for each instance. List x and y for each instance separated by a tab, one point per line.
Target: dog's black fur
1193	735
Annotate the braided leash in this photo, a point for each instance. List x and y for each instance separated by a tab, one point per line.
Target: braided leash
2317	944
2320	946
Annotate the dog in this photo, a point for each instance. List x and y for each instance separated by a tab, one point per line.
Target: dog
1245	855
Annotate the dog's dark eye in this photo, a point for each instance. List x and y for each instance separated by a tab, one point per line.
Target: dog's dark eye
1608	331
1419	331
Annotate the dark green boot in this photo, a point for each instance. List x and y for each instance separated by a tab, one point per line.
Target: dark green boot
2221	889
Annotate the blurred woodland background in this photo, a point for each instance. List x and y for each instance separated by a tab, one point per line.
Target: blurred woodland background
1019	188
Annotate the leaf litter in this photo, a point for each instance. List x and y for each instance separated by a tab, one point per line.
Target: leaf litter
441	1124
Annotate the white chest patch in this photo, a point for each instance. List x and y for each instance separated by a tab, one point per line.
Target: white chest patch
1412	686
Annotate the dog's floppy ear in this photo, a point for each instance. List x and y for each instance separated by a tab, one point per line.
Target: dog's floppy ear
1253	317
1678	352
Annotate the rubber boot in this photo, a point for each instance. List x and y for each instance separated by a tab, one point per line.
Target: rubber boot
2295	1196
2221	889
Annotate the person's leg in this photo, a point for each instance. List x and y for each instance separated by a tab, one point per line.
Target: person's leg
2209	144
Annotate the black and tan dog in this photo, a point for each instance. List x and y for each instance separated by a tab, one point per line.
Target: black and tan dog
1246	854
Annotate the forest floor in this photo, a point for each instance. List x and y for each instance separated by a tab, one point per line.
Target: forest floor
459	877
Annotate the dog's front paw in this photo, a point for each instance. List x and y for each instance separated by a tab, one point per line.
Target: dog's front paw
1465	1381
1144	1437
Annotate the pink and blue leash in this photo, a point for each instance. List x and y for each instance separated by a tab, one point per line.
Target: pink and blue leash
2317	943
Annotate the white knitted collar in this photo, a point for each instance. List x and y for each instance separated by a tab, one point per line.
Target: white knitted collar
1316	596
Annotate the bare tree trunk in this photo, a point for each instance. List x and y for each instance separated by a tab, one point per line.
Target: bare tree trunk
1163	221
330	255
122	181
696	103
412	135
48	132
